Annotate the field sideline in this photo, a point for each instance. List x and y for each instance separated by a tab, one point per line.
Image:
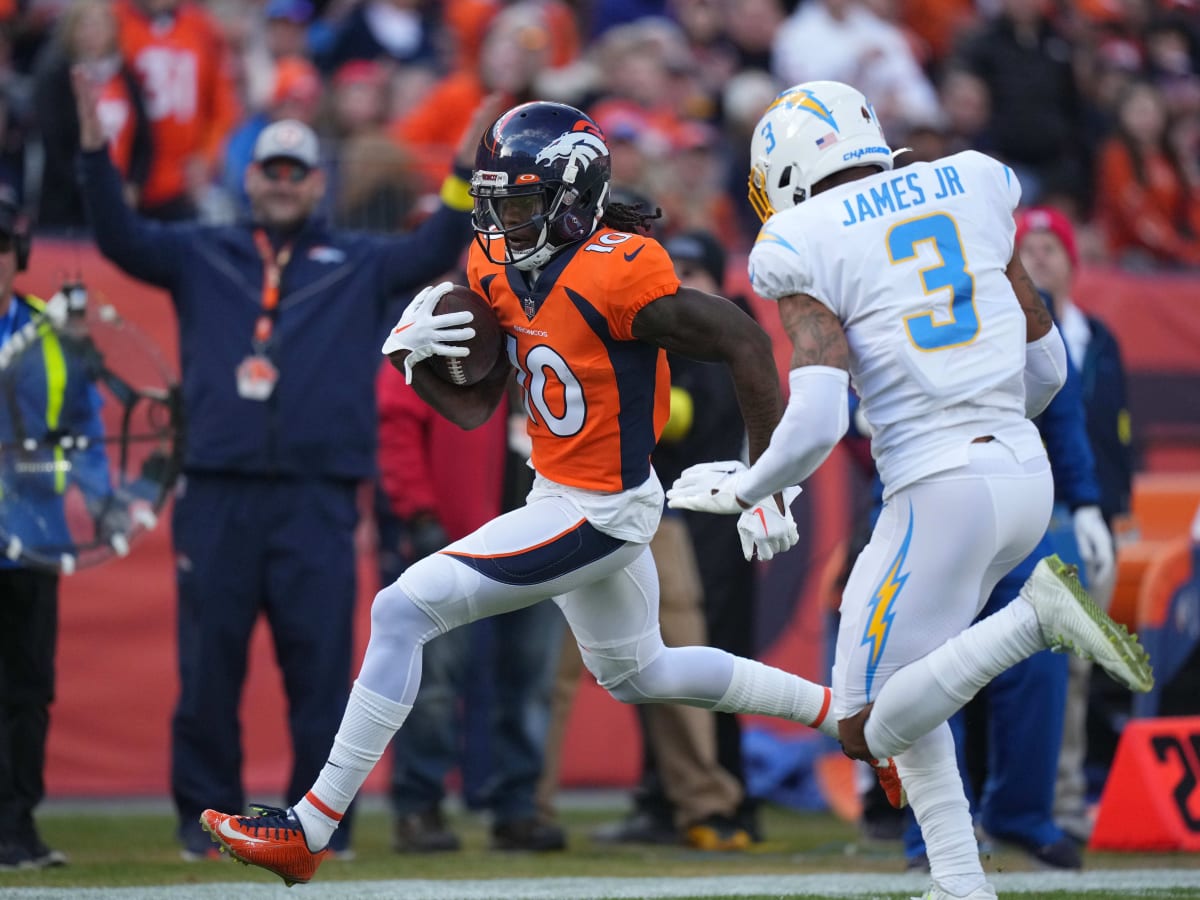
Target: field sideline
1152	883
128	852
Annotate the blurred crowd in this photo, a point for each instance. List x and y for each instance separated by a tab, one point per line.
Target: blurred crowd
1094	103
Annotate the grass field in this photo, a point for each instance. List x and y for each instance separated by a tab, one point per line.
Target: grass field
130	855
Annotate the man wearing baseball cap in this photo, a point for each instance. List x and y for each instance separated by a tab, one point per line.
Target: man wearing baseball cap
1046	241
280	319
295	94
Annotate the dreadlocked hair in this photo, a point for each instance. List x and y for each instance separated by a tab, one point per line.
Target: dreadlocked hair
627	218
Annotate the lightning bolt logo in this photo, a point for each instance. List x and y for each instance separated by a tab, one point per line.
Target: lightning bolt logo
883	605
767	236
804	99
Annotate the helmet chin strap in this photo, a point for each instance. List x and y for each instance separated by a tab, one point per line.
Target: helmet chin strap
535	260
538	257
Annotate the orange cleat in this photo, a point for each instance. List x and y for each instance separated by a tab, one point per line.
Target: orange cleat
273	840
889	780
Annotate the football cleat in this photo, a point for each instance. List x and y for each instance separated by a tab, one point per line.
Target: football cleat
889	780
1070	620
986	892
272	840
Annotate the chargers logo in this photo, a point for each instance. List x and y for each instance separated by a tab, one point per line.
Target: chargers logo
767	236
804	99
865	151
883	606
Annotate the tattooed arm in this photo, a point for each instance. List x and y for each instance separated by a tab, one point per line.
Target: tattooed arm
816	334
1038	321
1045	353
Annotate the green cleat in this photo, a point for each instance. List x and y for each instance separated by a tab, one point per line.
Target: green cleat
1071	620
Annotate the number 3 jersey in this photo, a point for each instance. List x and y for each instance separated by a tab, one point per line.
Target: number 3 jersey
912	262
596	397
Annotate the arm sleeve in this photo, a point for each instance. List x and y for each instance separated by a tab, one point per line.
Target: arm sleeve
144	249
816	417
1064	430
1045	371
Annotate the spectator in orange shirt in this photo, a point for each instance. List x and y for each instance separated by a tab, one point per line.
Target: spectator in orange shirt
86	34
179	55
1147	202
519	46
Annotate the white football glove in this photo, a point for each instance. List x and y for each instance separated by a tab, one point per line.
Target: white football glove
765	531
423	334
708	487
1095	546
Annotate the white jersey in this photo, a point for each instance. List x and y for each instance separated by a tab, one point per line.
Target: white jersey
912	263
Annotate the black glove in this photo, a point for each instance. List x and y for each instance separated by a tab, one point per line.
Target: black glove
425	536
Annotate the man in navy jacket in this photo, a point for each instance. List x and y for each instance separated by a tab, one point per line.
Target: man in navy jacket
280	323
1046	241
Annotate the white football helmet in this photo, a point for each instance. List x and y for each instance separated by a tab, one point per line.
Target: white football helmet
809	132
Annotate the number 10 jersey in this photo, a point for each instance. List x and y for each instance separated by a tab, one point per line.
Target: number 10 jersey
596	397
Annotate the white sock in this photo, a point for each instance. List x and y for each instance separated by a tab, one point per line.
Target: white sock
930	690
929	771
759	689
367	728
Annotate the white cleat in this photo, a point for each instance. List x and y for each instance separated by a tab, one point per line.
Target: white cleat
1070	620
986	892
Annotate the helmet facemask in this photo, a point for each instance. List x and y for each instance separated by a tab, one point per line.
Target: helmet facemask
526	211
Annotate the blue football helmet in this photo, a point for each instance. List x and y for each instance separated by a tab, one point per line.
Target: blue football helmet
541	182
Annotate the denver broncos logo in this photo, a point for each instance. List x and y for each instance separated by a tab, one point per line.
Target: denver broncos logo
579	148
804	99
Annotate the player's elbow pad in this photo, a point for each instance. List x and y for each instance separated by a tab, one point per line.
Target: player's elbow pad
816	417
1045	371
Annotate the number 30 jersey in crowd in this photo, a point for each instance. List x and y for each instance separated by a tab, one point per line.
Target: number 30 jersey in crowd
912	262
597	398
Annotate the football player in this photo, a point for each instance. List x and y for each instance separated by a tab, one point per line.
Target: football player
905	283
589	308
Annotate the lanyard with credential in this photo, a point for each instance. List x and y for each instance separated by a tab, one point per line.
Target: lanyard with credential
257	375
273	266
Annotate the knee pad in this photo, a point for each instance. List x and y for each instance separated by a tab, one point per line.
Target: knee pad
442	588
615	666
649	685
395	612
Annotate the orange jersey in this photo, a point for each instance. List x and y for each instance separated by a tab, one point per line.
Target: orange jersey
181	65
597	398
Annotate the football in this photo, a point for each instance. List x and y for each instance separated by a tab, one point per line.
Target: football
485	347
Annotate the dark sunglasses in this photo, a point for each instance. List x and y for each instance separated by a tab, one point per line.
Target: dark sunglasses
285	170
